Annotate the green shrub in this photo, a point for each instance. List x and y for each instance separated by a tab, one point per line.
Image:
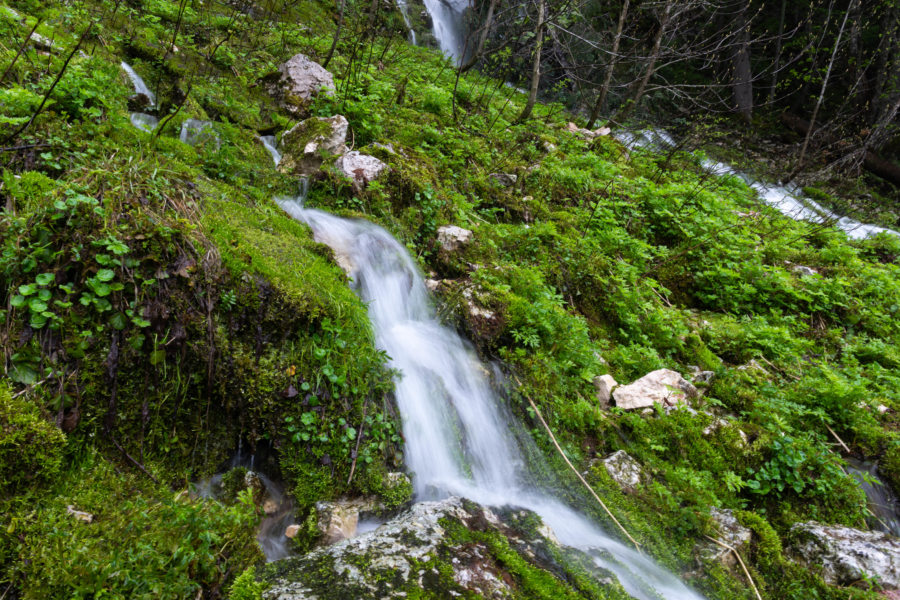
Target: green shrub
245	586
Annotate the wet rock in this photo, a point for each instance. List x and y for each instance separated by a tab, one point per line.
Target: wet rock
704	377
664	386
270	507
84	517
401	557
307	145
297	82
291	531
139	103
504	179
451	237
336	521
729	532
360	168
624	470
604	385
844	555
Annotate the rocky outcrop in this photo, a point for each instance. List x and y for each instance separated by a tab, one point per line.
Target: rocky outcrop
360	168
844	555
297	82
451	237
624	470
504	179
307	145
662	386
730	533
604	384
441	548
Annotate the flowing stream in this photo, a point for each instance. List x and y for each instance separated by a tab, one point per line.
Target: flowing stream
883	504
459	440
142	121
789	200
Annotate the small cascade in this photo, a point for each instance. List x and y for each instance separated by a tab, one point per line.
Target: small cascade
788	200
195	131
459	439
883	504
143	121
271	146
404	12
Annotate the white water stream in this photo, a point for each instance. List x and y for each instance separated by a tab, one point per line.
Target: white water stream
458	438
142	121
789	200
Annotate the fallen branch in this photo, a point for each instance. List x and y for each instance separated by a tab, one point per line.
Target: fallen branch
840	441
577	474
741	561
21	49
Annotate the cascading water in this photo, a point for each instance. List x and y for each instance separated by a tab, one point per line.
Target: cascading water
142	121
787	200
458	439
883	504
447	22
404	12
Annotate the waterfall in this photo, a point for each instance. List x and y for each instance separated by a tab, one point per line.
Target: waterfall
142	121
404	12
447	21
458	439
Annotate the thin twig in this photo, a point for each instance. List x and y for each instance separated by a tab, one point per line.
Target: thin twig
840	441
362	425
574	470
21	49
741	561
59	76
136	463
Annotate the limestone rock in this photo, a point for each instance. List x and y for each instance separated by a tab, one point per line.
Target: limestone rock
360	168
605	385
291	531
399	557
624	470
730	532
846	555
306	145
587	133
336	521
663	385
451	237
504	179
298	81
84	517
704	377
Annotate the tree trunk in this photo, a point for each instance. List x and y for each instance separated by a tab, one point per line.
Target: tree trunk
482	38
536	66
610	68
777	64
812	121
651	66
743	74
337	35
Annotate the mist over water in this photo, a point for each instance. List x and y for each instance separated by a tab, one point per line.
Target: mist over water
458	439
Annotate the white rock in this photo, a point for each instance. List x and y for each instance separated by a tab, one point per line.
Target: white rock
663	385
604	385
361	168
624	470
844	555
451	237
301	80
731	533
82	516
306	145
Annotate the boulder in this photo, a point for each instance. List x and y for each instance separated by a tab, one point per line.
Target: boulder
844	555
704	377
429	550
663	386
307	145
624	470
336	521
729	532
291	531
451	237
360	168
297	82
604	385
504	179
